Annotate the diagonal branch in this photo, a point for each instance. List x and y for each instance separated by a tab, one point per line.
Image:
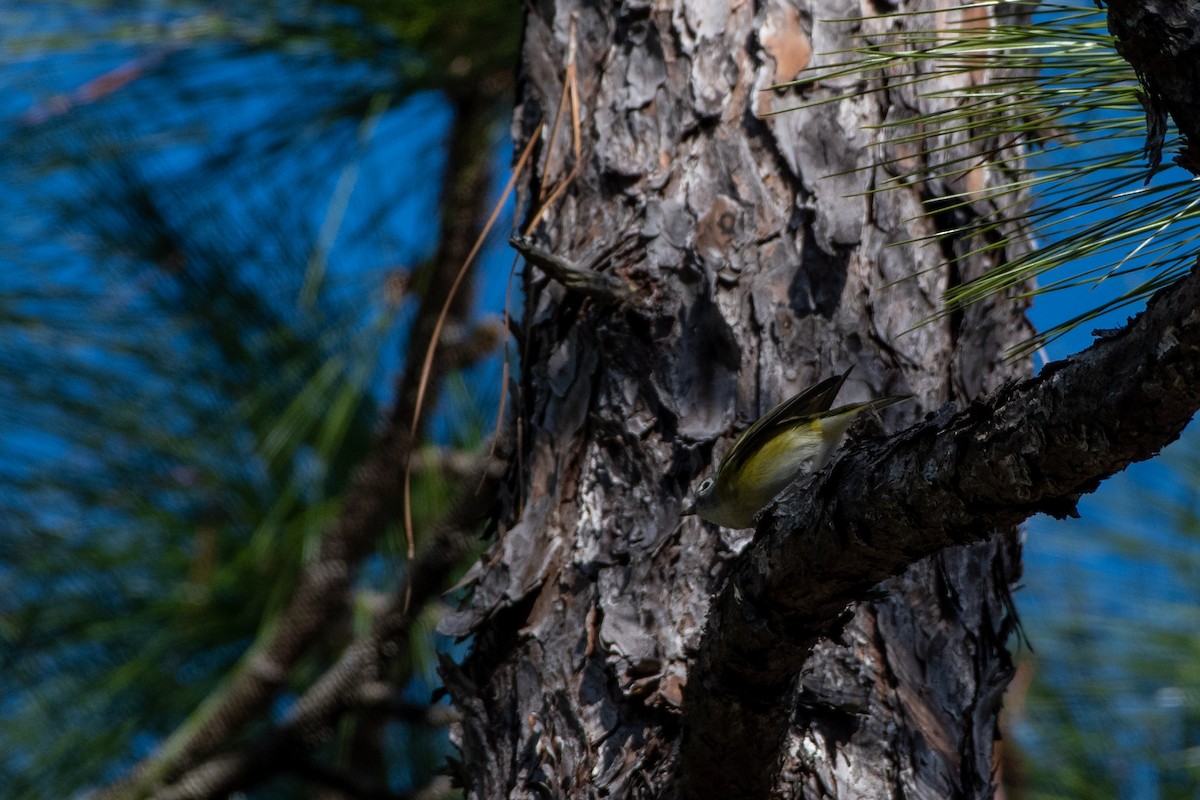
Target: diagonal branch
1031	447
363	664
370	502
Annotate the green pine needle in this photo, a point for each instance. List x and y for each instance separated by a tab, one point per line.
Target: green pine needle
1057	89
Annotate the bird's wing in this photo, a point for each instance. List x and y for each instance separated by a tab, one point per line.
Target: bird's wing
814	400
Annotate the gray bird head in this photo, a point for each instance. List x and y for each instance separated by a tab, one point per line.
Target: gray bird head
706	497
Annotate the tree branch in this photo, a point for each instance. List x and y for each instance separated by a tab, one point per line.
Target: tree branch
366	661
1032	447
1161	41
370	502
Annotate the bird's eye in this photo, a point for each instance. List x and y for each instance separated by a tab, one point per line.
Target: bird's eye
705	486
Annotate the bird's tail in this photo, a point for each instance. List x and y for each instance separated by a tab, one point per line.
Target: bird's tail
854	409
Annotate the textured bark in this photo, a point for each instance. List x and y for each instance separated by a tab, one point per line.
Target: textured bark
1161	40
763	268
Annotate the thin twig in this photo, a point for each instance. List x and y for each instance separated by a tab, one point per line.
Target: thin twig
427	364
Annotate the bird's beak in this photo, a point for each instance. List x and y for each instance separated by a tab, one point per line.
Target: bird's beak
689	509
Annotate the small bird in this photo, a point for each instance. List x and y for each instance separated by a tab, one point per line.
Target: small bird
796	437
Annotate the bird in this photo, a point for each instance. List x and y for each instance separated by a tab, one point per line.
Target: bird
796	437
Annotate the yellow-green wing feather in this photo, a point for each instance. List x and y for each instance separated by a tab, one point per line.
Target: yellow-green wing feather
811	401
773	466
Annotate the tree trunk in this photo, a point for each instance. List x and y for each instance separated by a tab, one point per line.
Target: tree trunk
769	256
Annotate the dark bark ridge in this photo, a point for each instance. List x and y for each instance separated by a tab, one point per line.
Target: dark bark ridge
1030	447
1161	41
